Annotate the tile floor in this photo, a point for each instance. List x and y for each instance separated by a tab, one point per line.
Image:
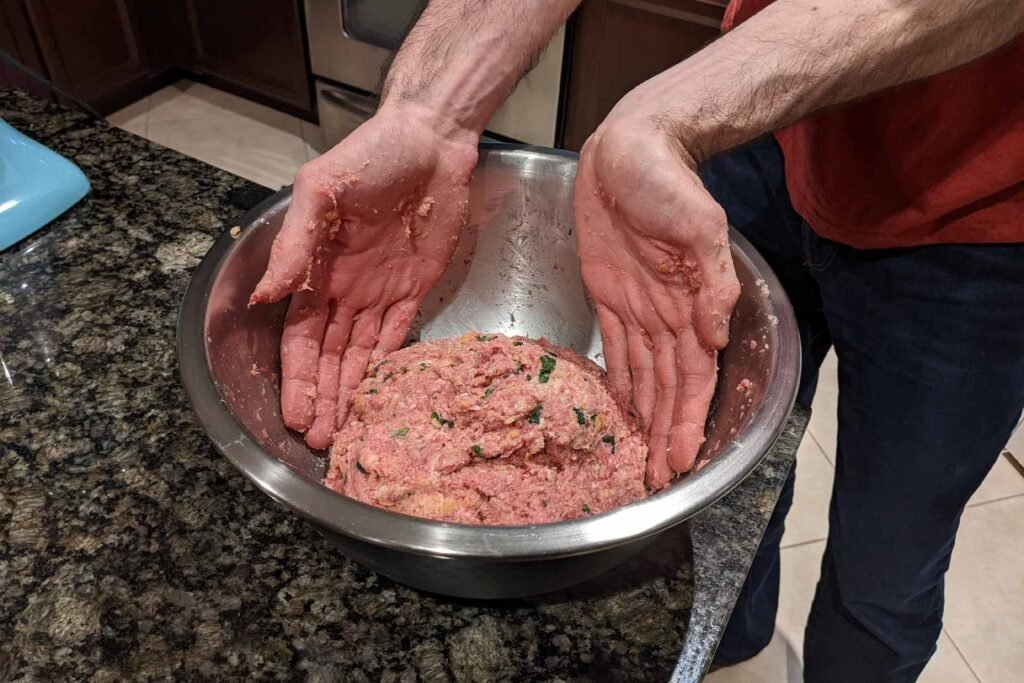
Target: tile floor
983	639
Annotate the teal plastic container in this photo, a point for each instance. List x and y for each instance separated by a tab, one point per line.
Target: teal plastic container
36	185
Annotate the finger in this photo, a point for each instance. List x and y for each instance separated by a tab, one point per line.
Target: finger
365	334
659	473
326	406
395	327
719	288
306	222
615	349
300	351
641	368
697	371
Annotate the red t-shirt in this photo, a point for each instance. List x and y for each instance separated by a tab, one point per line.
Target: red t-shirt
936	161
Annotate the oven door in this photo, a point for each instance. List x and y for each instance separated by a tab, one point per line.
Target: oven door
349	43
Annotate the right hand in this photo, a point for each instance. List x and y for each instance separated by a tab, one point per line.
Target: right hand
372	225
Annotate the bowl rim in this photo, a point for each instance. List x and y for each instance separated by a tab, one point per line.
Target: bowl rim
405	533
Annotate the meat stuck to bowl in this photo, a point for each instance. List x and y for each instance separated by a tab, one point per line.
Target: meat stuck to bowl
515	274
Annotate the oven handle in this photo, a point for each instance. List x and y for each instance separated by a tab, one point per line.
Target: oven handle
349	103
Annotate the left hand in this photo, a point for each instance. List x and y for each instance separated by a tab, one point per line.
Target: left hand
655	258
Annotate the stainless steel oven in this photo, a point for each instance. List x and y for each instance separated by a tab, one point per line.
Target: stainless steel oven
349	43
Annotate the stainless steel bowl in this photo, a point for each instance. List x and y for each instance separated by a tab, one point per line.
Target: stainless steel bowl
516	272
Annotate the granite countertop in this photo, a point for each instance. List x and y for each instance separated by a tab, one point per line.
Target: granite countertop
129	549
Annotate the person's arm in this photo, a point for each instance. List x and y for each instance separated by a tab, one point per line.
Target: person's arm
653	243
798	56
463	58
373	223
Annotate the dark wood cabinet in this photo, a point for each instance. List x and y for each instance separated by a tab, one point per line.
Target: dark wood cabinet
257	46
90	48
112	52
620	44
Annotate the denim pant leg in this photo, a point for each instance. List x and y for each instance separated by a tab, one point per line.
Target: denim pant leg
749	183
930	344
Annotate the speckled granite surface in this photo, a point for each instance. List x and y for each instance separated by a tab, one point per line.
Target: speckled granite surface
130	550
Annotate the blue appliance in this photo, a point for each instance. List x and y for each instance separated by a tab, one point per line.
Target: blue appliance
36	185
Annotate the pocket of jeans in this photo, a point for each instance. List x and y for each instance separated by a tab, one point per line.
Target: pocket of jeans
818	251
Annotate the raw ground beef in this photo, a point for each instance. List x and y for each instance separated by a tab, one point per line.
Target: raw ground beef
487	429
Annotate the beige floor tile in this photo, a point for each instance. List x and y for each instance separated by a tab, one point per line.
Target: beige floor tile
947	665
1002	482
131	117
985	590
140	128
314	138
777	663
1016	444
808	518
190	100
801	567
264	153
823	425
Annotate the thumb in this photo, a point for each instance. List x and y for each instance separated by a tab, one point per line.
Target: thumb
307	223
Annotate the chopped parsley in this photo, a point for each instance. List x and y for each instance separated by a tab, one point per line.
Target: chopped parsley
441	421
544	502
534	417
517	343
484	337
403	369
477	449
372	391
581	417
547	366
380	365
423	366
388	376
586	508
610	440
593	417
488	391
529	377
519	368
359	466
400	433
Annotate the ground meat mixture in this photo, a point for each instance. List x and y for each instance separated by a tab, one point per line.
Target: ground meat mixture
487	429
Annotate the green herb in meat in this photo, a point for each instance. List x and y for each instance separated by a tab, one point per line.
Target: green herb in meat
484	337
478	450
371	391
581	417
517	343
586	508
388	376
534	417
547	366
359	466
610	440
379	366
400	433
488	391
441	421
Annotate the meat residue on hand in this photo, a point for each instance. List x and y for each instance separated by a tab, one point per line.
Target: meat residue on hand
488	429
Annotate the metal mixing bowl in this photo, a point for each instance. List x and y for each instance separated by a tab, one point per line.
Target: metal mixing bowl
516	272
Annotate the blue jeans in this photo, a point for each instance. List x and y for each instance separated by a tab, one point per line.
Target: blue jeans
930	342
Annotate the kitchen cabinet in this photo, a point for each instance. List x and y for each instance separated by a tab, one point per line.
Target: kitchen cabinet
90	48
255	47
621	43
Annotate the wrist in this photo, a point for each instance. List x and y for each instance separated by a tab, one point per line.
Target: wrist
432	119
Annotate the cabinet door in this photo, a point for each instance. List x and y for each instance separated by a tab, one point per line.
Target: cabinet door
621	43
255	45
89	47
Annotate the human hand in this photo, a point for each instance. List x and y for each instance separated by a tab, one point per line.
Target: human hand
370	230
655	258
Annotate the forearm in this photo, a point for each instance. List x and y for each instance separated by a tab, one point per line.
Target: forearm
463	58
798	56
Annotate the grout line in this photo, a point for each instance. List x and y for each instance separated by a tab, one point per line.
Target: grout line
802	543
994	500
820	448
960	652
1014	463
